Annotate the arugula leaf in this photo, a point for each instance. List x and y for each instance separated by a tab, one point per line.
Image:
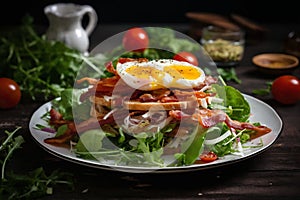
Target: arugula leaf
69	105
229	74
33	185
263	91
42	68
221	149
10	145
90	140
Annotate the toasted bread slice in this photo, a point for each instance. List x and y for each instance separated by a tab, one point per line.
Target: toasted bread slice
100	101
135	105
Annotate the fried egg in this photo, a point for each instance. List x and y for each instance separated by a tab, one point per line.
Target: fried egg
161	73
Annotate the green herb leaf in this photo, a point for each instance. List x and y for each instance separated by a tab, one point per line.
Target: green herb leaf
237	106
229	74
263	91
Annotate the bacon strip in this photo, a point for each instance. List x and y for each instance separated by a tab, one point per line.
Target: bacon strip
66	136
178	114
56	119
55	115
182	94
91	123
208	118
103	86
125	60
91	81
259	130
110	68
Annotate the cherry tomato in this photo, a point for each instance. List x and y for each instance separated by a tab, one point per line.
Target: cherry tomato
286	89
10	93
187	57
209	157
135	39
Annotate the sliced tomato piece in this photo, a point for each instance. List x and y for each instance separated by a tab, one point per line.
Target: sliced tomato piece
208	157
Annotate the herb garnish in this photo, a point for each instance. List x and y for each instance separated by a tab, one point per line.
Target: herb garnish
41	67
25	186
229	74
263	91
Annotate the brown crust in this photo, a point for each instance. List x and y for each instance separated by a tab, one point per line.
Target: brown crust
135	105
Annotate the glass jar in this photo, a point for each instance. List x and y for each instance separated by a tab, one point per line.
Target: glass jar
225	47
292	43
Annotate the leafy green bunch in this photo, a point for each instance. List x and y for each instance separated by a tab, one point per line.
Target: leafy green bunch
42	68
25	186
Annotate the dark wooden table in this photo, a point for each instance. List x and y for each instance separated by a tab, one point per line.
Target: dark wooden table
272	174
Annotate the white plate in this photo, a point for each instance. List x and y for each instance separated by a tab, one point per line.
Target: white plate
260	112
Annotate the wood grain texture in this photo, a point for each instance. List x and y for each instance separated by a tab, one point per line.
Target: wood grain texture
213	19
273	174
247	23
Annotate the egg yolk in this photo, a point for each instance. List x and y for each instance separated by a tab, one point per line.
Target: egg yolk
157	77
143	72
182	72
148	73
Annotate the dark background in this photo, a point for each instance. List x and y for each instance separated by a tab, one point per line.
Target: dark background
158	11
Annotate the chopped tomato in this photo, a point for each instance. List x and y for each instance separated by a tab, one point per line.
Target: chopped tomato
209	157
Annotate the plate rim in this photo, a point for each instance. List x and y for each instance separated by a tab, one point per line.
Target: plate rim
132	169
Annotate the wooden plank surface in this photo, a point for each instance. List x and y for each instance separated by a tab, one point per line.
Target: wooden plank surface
273	174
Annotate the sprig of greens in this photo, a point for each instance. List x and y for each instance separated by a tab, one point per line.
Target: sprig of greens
263	91
10	144
25	186
229	74
41	67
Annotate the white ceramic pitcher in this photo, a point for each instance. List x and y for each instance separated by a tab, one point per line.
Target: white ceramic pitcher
65	24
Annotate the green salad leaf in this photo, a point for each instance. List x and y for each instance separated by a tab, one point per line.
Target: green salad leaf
194	146
90	140
41	68
237	107
69	105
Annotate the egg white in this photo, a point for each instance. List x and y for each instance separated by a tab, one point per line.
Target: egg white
161	73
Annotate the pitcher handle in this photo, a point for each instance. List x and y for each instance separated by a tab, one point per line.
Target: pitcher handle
93	18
